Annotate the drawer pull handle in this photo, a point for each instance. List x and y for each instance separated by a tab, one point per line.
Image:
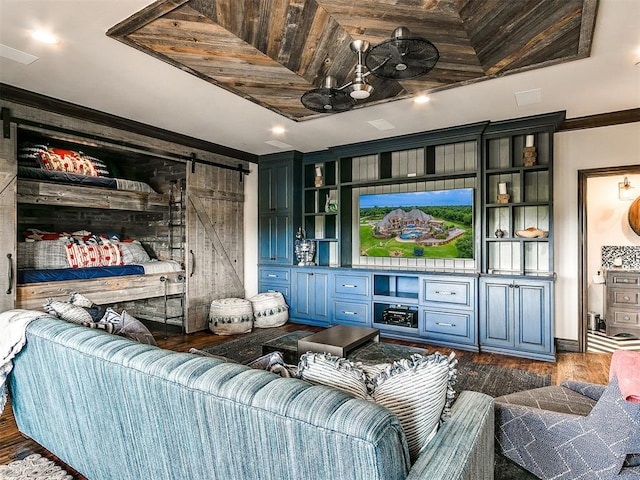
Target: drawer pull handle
272	275
347	312
626	298
626	318
625	280
444	292
349	285
444	324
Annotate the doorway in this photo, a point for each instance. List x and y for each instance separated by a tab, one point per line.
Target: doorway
603	223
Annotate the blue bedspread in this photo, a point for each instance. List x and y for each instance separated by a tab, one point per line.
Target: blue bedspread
36	276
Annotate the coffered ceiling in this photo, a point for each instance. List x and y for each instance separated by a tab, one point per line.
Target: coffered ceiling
272	51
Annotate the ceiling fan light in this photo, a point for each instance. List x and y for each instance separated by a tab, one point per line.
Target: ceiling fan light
360	91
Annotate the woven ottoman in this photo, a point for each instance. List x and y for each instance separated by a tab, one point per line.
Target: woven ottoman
269	310
229	316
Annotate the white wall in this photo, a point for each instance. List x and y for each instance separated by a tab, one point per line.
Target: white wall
251	232
574	150
607	224
582	150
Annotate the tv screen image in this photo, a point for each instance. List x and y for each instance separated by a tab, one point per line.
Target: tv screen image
434	224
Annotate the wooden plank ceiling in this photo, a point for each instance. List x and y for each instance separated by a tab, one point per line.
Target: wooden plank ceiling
272	51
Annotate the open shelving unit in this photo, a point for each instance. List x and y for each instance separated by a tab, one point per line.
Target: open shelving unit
530	202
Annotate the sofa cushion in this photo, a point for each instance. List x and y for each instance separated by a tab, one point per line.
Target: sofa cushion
419	390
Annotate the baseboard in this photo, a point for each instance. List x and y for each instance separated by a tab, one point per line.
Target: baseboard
563	345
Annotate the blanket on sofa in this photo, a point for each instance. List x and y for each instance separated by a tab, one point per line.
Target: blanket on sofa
13	325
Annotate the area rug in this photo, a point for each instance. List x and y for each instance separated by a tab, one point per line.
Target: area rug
479	377
33	467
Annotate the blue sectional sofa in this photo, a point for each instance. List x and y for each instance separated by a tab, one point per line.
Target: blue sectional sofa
113	408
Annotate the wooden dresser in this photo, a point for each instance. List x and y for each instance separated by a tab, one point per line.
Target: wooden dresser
623	302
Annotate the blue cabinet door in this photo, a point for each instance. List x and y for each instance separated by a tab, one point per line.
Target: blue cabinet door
532	309
516	317
274	187
310	296
496	318
275	239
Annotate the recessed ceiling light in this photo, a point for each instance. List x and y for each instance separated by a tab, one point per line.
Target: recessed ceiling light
278	130
421	99
44	37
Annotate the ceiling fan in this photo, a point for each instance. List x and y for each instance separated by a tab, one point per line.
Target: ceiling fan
397	58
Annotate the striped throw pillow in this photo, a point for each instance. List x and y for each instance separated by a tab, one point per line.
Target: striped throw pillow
66	311
332	371
419	390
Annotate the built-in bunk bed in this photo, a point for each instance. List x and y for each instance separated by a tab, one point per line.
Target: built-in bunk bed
97	221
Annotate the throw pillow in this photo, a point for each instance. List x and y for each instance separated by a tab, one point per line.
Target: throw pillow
128	326
419	390
67	311
274	362
96	311
333	371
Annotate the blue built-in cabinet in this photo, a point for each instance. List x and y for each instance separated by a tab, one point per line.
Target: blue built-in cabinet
500	301
515	317
279	206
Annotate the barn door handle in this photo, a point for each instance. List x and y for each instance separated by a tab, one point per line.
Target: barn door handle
9	290
193	263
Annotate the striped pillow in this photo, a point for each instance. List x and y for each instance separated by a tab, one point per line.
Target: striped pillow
332	371
419	390
66	311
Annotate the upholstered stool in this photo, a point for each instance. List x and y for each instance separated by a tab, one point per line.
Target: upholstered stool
269	310
229	316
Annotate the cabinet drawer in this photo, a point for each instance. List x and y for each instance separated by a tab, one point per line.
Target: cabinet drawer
627	319
280	275
630	279
623	297
351	285
274	287
448	292
351	312
448	323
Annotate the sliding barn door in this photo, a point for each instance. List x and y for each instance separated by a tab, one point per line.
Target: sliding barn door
214	240
8	170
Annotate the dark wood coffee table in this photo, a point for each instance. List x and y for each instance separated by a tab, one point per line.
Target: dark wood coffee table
338	340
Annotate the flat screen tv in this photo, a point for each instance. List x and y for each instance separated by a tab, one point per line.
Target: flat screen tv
435	224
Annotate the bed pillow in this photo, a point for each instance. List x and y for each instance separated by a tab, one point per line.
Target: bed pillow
133	252
96	252
45	255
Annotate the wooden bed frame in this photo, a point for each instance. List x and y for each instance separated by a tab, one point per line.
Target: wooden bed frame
102	291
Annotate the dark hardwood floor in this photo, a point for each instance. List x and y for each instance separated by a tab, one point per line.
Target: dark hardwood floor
585	367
